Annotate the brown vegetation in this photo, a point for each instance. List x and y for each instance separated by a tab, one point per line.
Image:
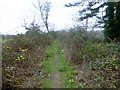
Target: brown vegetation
97	63
22	56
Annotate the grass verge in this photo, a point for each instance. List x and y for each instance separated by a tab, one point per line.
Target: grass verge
66	71
47	68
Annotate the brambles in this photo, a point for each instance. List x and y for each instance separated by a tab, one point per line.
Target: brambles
98	61
22	56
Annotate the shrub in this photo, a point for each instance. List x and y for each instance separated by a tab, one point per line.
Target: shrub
102	60
22	57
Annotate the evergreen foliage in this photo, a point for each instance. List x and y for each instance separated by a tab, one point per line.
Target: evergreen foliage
111	19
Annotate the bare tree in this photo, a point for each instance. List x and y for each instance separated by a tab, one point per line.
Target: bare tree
44	9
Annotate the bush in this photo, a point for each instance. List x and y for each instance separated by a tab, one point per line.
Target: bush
22	56
99	61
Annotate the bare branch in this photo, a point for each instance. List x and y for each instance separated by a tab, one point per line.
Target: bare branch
44	10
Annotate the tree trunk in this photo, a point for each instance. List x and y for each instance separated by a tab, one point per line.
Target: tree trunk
117	19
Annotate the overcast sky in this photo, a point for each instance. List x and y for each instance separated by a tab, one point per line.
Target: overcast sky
13	13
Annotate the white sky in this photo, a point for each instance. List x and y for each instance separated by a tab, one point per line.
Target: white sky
13	13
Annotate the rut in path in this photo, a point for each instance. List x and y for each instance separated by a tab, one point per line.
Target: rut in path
55	76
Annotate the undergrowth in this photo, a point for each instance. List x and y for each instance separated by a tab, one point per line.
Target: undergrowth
22	56
98	62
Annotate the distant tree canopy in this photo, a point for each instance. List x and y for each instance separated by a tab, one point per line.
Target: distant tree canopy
111	19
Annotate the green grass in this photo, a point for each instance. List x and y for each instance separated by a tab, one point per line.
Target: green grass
47	68
66	72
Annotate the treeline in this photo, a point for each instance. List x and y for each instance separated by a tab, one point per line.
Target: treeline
110	21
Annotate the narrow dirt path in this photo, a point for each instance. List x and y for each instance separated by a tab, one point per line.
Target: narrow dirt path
56	71
56	83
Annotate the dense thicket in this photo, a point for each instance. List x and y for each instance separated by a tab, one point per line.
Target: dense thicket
97	63
22	56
